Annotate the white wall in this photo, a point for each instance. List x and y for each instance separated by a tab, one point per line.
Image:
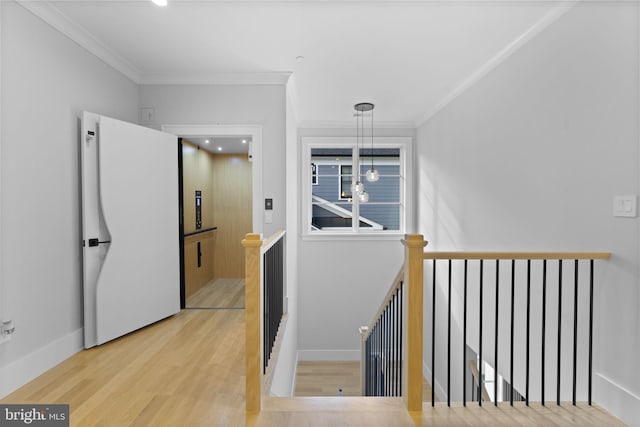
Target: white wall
531	157
284	375
237	105
47	81
342	282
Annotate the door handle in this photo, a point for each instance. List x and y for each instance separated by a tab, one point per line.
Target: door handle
95	242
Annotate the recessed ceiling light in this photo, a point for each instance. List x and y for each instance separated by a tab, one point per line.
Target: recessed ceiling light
160	2
219	148
244	141
299	58
206	141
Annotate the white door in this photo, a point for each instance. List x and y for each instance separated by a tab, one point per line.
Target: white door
129	227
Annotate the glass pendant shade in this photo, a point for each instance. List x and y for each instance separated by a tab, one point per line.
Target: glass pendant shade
363	197
373	175
357	188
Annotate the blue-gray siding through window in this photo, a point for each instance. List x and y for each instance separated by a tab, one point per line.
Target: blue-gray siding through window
384	195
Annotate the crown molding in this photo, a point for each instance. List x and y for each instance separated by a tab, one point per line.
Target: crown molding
268	78
310	124
50	14
61	22
549	18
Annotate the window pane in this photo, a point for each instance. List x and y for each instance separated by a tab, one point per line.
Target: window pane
386	189
333	175
379	216
326	216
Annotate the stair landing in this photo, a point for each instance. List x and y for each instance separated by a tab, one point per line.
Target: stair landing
391	412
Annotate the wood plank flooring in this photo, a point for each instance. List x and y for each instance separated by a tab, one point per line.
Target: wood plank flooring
188	370
320	378
219	293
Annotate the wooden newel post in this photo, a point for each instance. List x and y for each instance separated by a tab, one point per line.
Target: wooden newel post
253	354
413	276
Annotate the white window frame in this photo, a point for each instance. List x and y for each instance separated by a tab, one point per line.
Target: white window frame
405	144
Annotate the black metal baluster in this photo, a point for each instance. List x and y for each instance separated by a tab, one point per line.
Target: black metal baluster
559	327
590	329
375	361
513	288
480	360
544	311
495	371
401	339
391	343
433	338
449	340
396	339
383	334
382	355
380	377
528	327
575	330
372	347
366	367
395	342
464	340
265	315
378	359
387	347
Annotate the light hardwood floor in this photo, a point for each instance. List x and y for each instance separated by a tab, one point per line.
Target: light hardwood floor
184	371
219	293
188	370
320	378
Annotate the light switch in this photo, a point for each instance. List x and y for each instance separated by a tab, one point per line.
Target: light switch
625	206
268	217
147	115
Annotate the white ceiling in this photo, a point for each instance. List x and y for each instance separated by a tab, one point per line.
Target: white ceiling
408	57
223	144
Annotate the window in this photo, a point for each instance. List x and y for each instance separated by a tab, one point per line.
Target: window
330	208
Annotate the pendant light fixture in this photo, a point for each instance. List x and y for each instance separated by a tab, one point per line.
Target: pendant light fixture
372	174
358	186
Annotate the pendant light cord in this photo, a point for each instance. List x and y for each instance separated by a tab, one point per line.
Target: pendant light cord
371	140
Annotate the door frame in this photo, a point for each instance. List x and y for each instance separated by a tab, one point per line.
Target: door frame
255	157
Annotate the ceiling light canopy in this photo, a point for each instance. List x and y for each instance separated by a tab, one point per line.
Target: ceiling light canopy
160	2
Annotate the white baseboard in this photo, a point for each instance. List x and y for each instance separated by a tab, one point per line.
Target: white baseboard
616	399
329	355
18	373
295	375
435	388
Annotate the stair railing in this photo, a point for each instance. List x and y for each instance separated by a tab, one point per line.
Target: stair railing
264	307
510	274
392	343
